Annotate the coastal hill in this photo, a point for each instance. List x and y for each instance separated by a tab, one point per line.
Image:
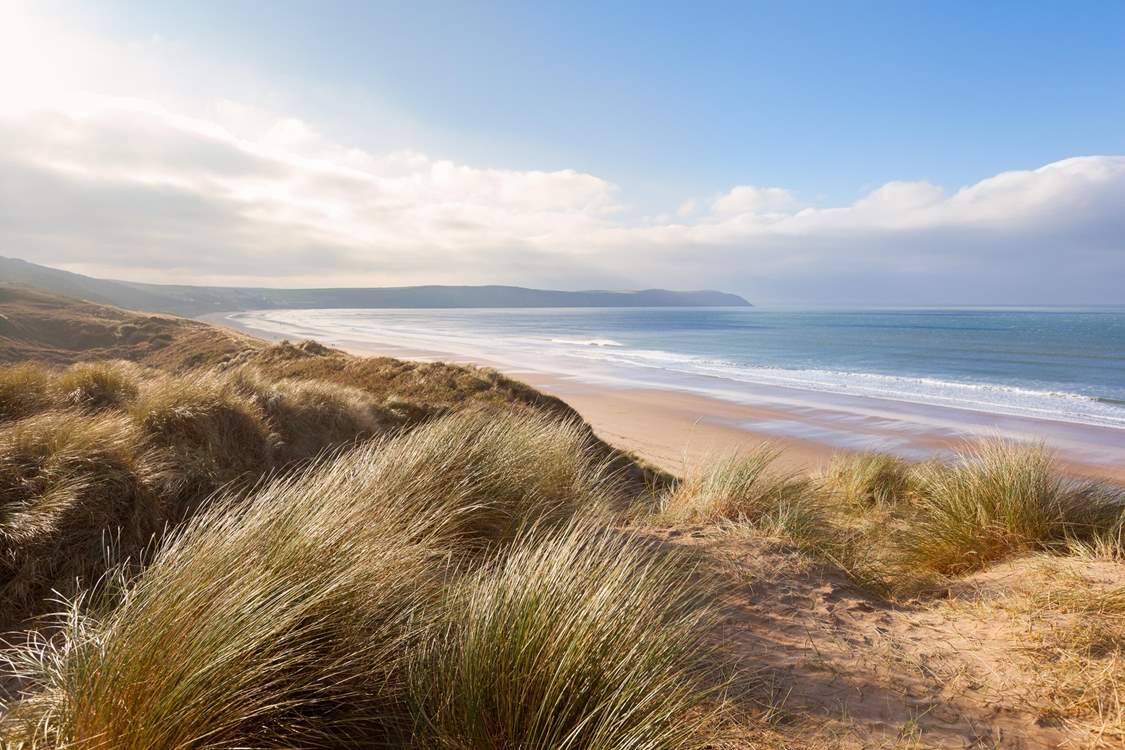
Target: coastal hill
38	326
199	300
406	555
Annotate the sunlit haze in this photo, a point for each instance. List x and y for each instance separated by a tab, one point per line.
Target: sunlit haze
813	154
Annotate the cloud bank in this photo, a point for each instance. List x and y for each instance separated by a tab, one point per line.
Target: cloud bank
132	187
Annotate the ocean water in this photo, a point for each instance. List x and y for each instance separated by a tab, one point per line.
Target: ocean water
1066	365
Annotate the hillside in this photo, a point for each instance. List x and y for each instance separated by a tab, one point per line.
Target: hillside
283	545
44	327
199	300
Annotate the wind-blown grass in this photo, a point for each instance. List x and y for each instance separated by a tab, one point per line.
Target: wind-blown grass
281	621
70	484
868	478
302	616
997	499
212	434
23	391
308	416
747	489
585	638
517	469
97	385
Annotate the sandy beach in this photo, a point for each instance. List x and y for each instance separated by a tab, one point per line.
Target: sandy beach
676	430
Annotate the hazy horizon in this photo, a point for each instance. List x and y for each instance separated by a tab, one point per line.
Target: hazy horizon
877	155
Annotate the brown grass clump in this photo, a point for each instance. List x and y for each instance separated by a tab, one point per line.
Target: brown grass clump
310	416
23	391
278	622
96	385
1080	661
71	485
432	387
212	435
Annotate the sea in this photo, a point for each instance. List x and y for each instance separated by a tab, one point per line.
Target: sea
1063	364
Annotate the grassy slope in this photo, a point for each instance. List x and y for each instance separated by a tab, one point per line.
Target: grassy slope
42	327
483	572
106	452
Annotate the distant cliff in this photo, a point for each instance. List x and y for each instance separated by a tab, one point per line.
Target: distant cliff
197	300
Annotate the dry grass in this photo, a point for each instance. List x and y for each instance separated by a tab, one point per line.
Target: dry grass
211	434
92	386
309	416
310	614
71	485
23	391
868	479
898	528
281	621
48	328
585	638
746	488
90	451
997	499
1080	671
515	469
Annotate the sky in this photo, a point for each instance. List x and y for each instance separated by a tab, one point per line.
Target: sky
795	153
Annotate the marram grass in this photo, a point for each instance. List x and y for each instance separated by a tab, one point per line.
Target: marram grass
1001	498
333	609
584	638
746	488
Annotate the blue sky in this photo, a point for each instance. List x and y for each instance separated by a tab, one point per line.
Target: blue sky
793	151
827	99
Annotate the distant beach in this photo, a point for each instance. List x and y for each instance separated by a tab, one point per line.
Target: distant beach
677	385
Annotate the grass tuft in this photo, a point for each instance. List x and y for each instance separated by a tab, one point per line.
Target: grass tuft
211	434
744	488
868	479
92	386
584	638
1000	498
280	621
514	469
69	482
23	391
302	615
310	416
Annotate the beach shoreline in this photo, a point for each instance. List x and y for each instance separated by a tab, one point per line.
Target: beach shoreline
679	429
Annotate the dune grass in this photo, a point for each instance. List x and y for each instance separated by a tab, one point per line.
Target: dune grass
1080	659
309	415
173	439
212	434
997	499
584	638
386	572
71	485
280	621
92	386
745	488
310	614
516	469
868	479
23	391
899	528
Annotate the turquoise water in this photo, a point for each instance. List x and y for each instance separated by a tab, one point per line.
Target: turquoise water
1062	364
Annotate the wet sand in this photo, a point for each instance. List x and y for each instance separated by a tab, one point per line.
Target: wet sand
676	430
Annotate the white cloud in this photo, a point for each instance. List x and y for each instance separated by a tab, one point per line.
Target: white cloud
747	199
155	186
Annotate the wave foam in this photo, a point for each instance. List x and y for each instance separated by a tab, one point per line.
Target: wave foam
588	342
